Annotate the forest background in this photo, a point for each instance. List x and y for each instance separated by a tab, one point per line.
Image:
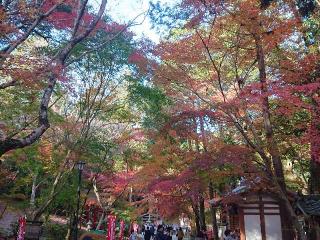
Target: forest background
229	94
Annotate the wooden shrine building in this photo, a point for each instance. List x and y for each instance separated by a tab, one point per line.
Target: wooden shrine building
259	218
255	215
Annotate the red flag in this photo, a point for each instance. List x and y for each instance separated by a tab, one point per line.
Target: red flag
122	225
22	228
111	235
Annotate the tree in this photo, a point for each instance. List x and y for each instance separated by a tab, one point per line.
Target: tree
222	56
87	116
175	179
21	20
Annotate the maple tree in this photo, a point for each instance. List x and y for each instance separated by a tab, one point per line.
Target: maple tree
26	20
88	110
230	93
222	55
176	177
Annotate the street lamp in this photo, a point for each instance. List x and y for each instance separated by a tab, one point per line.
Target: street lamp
80	166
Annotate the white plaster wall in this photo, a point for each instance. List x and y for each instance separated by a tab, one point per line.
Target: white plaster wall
252	227
273	227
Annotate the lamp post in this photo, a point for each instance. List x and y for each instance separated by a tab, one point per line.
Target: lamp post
80	166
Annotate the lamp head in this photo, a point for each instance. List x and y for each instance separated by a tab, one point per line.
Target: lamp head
80	165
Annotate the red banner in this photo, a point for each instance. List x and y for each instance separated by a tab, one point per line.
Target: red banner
122	225
111	235
22	228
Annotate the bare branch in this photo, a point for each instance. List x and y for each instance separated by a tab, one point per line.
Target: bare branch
108	40
76	39
82	7
216	68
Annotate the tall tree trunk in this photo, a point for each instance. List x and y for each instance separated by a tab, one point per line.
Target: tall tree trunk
314	181
70	226
213	213
200	209
314	233
314	185
101	221
273	147
96	192
38	212
198	227
195	209
202	214
68	235
290	220
33	191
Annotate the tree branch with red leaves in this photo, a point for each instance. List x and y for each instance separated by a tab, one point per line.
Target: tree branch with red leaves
58	60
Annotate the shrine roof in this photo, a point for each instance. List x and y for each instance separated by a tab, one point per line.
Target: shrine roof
309	205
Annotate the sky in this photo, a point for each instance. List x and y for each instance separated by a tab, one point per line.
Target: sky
125	10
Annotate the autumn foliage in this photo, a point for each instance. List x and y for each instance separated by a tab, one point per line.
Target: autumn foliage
229	96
